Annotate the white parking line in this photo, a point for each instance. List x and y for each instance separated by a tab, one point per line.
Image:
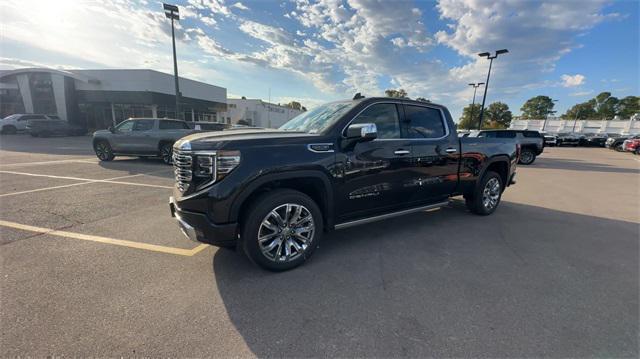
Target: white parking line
83	182
23	164
107	240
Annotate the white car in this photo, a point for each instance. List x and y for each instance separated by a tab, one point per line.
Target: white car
18	122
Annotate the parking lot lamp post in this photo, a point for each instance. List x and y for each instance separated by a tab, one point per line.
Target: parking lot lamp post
171	12
475	88
544	124
575	120
486	86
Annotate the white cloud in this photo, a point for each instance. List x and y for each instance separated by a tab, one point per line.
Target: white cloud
240	6
572	81
581	93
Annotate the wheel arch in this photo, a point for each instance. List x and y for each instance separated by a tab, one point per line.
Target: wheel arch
500	165
313	183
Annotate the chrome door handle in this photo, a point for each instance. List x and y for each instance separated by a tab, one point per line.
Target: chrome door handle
450	150
401	152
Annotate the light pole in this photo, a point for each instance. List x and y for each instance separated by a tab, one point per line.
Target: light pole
484	97
544	124
171	12
473	103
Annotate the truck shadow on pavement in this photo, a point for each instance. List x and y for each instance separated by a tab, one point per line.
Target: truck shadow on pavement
526	281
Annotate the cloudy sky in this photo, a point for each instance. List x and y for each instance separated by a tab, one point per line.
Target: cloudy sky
316	51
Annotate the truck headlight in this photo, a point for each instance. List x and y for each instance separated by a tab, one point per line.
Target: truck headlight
227	161
212	166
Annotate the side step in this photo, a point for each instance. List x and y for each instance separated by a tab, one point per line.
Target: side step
389	215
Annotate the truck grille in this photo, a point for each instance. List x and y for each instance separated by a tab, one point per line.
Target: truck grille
183	169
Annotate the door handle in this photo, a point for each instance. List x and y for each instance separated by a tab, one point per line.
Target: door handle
451	150
401	152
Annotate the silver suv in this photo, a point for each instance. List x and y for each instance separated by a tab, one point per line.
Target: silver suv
152	137
18	122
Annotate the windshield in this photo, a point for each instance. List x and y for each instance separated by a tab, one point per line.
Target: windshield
318	119
11	117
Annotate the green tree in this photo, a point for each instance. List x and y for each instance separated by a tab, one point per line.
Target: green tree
537	108
581	111
422	99
497	115
469	121
606	106
396	93
628	106
294	105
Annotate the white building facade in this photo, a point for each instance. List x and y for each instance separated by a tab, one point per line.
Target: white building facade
258	113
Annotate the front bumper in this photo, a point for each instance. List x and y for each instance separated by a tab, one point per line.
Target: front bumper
197	227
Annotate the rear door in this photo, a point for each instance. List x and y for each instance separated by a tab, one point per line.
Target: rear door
435	152
374	171
141	139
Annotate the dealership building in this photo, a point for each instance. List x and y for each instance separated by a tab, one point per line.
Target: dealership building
101	98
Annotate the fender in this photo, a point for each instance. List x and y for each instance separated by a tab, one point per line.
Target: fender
494	159
260	181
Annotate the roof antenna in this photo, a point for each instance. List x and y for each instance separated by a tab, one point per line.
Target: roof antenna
358	96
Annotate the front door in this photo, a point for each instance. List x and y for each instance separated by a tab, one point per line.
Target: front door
435	152
120	138
373	171
140	139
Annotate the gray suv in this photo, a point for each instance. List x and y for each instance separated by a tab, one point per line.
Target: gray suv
152	137
531	142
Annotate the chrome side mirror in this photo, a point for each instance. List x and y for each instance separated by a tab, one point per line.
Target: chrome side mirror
363	131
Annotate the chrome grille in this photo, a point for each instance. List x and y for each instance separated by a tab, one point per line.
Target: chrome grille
183	169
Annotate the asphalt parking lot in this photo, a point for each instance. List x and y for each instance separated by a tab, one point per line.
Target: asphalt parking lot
93	265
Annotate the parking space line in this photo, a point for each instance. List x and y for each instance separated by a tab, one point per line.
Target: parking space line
83	160
106	240
43	189
90	179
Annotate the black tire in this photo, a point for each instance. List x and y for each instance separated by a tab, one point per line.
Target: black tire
9	130
33	134
527	157
637	151
166	153
619	148
476	201
103	151
253	226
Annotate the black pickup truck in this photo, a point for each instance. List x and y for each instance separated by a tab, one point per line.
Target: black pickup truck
274	193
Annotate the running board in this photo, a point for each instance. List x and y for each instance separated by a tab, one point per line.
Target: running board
389	215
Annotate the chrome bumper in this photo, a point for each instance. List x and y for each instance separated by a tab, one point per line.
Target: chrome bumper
185	228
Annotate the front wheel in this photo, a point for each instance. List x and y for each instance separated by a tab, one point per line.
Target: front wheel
487	195
619	148
282	229
103	151
166	152
527	157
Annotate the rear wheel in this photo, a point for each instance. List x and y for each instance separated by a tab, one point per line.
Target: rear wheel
637	151
619	148
103	151
527	157
166	153
282	229
487	195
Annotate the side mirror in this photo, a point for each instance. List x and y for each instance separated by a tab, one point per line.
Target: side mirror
111	129
362	131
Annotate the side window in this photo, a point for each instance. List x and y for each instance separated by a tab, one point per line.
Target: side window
506	134
125	126
531	134
172	125
143	125
384	116
424	122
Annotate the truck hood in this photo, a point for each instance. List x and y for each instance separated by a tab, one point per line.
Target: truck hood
216	139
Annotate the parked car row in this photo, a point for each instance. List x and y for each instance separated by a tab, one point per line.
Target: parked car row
39	125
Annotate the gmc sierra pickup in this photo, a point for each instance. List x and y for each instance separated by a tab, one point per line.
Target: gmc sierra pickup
274	193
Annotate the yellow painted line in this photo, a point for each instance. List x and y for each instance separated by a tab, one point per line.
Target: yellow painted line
88	179
106	240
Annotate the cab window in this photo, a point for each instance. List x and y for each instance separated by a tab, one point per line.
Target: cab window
172	125
384	116
424	122
143	125
125	126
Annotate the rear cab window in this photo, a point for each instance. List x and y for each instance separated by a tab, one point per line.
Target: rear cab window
424	122
172	125
531	134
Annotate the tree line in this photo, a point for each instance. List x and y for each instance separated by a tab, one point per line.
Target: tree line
497	114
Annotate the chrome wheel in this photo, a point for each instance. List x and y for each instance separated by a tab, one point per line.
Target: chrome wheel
491	194
286	232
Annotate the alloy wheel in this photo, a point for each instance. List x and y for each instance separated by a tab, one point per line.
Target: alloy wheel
166	154
286	232
491	193
103	151
526	157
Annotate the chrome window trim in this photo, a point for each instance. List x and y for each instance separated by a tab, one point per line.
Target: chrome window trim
321	144
442	118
